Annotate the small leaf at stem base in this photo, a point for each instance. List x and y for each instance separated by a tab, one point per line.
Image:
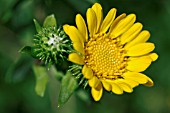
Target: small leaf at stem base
68	86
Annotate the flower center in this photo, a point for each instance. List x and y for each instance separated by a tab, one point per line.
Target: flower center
105	57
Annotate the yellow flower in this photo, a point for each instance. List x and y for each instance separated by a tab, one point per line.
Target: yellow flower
113	51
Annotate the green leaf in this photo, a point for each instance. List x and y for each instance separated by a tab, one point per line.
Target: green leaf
26	49
41	79
37	25
68	86
50	21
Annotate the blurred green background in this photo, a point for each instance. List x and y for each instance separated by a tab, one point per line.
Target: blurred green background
17	80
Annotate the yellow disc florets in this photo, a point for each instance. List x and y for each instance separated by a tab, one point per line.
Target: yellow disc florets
105	57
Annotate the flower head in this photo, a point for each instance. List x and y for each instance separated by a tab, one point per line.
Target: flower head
50	42
113	51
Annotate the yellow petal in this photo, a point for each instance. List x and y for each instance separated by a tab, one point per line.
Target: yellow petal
78	47
97	92
138	77
132	83
108	20
87	72
66	27
149	82
131	33
154	56
71	35
126	87
116	89
141	38
139	64
129	78
94	82
107	85
81	25
91	21
116	21
99	14
123	26
75	58
74	34
140	49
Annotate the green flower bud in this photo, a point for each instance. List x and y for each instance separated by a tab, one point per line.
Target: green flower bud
50	44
